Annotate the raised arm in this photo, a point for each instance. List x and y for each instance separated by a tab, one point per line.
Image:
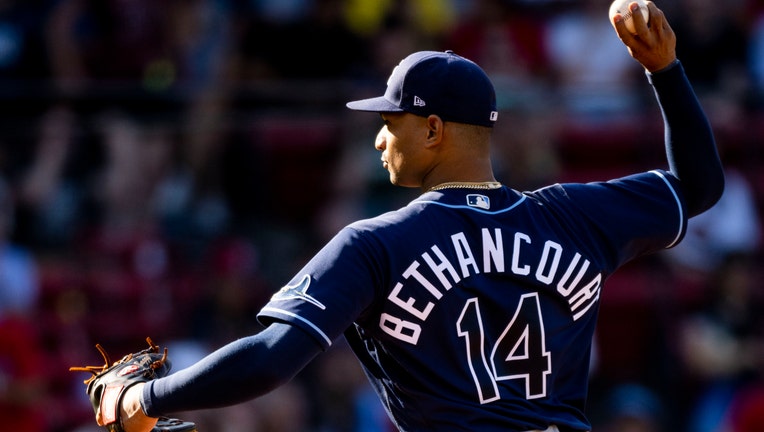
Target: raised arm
690	145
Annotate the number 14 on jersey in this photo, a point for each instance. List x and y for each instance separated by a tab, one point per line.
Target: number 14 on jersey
518	354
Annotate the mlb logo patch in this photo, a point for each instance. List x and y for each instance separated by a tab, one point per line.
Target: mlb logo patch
479	201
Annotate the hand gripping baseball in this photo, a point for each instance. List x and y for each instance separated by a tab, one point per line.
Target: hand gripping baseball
109	383
653	46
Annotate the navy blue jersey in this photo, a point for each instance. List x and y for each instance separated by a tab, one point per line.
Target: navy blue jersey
475	309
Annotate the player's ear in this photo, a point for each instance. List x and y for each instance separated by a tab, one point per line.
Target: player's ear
434	129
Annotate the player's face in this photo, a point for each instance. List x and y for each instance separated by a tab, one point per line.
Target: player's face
401	141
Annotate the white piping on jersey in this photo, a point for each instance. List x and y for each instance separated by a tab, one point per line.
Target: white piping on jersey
293	315
454	206
522	198
679	206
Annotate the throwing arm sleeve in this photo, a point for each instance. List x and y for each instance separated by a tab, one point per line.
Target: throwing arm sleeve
690	145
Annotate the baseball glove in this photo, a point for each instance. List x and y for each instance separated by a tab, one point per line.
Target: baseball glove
109	382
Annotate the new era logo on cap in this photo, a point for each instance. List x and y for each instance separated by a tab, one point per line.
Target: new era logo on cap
454	88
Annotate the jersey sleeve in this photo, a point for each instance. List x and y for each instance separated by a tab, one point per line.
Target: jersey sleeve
327	295
630	216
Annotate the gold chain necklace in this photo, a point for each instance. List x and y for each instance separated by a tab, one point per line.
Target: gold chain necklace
466	185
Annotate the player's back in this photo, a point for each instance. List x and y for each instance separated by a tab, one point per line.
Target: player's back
485	317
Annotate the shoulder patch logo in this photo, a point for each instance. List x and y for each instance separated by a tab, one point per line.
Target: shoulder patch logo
298	291
479	201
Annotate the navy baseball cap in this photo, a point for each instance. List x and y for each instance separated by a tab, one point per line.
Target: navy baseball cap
441	83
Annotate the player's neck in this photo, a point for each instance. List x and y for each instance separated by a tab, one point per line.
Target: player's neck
457	168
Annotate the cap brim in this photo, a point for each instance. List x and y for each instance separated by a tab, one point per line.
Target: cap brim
377	104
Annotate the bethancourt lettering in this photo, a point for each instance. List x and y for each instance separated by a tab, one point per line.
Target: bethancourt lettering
425	281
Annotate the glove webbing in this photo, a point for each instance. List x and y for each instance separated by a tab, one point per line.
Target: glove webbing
95	370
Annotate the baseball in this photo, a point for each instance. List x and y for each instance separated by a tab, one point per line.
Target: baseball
622	7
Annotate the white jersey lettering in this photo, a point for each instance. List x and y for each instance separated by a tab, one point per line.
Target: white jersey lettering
441	271
556	249
438	269
464	254
405	331
516	269
493	251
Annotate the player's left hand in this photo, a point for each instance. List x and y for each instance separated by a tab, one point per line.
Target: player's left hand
114	390
653	45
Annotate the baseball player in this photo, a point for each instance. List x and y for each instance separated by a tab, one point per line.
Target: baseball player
473	307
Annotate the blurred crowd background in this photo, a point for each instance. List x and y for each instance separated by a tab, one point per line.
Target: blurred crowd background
166	165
